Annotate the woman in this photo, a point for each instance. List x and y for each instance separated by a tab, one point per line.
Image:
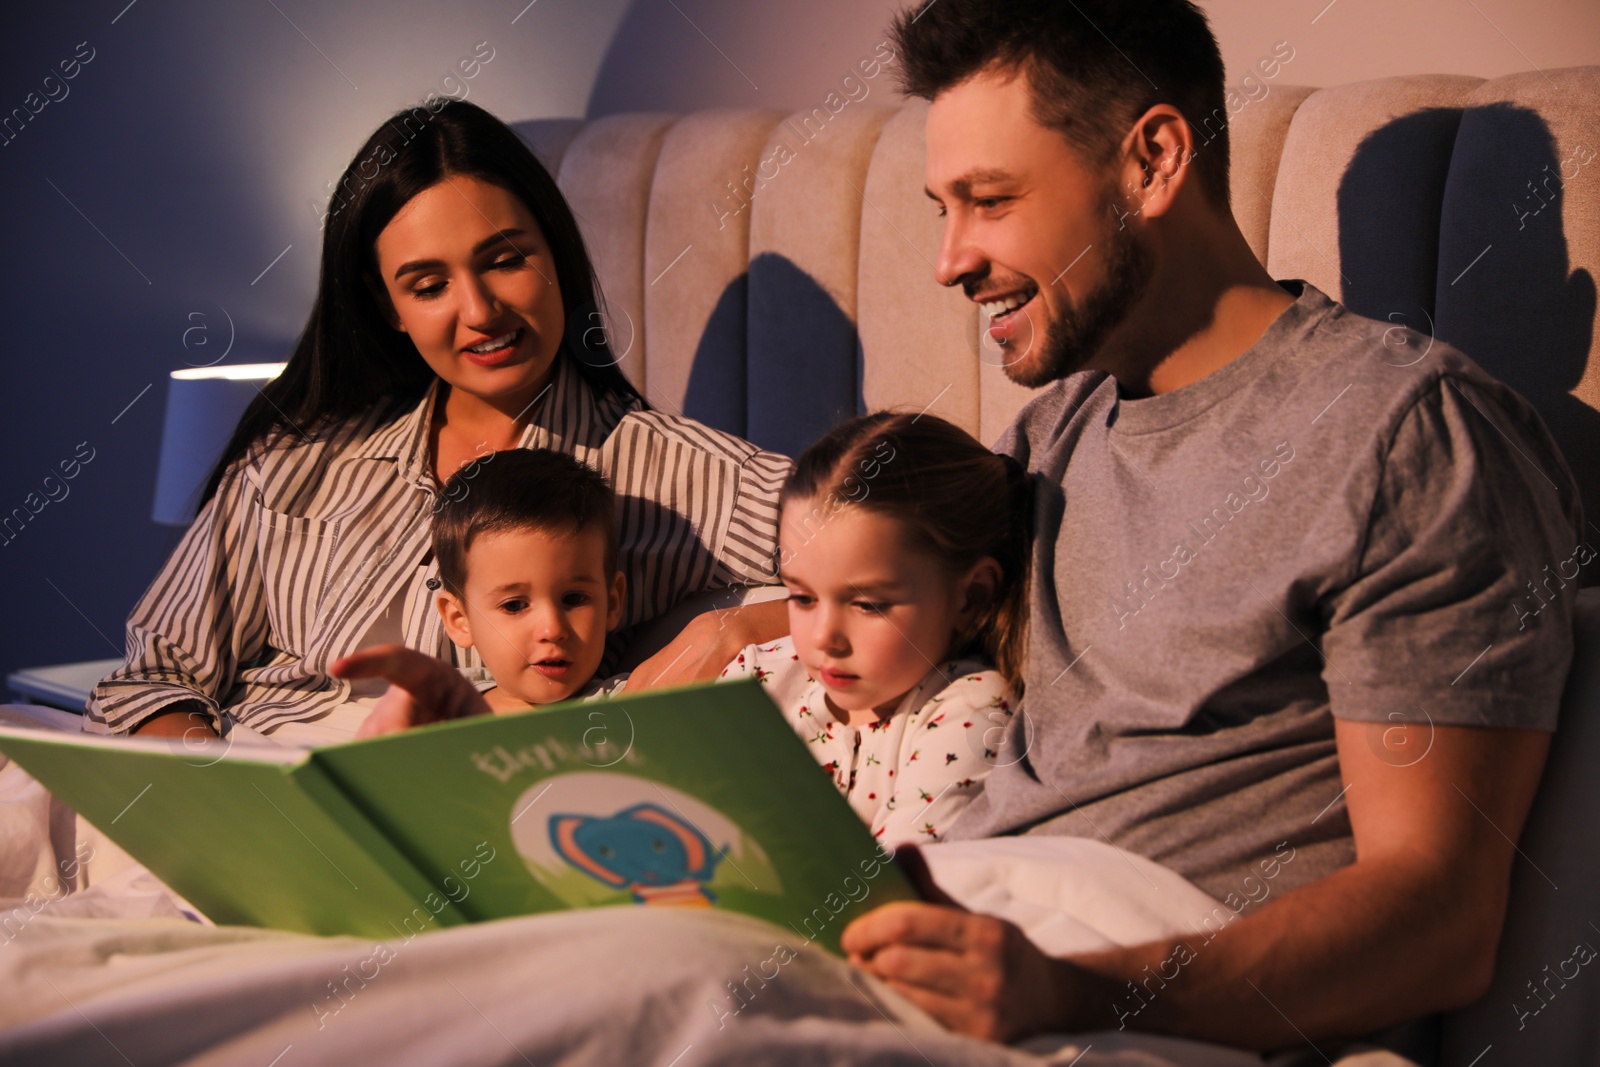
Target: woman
449	323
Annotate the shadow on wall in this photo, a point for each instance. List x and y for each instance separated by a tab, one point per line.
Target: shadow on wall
715	394
1389	218
778	361
1499	287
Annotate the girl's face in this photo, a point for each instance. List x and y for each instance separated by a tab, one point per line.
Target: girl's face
469	278
870	614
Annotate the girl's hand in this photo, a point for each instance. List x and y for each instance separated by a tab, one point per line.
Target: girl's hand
422	689
709	643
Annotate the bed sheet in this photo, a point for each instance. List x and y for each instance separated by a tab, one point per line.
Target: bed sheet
100	963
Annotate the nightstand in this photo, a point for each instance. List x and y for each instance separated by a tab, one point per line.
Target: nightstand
65	685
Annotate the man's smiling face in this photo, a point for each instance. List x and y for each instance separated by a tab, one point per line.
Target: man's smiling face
1031	231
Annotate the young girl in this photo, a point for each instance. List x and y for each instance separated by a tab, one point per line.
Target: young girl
904	544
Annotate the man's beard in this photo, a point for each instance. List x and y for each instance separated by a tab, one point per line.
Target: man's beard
1072	340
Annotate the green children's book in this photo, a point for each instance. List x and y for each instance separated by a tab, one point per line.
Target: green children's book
700	797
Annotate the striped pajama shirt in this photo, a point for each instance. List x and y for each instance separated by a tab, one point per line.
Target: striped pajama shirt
309	541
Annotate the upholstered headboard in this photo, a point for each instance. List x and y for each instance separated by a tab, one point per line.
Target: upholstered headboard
770	273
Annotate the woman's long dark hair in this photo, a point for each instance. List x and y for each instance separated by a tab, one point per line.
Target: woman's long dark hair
349	359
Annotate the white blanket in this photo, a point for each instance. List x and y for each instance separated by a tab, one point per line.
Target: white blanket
112	973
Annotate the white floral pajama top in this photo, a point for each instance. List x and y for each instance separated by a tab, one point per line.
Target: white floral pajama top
907	776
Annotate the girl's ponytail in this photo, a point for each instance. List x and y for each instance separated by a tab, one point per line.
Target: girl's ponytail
999	633
1006	638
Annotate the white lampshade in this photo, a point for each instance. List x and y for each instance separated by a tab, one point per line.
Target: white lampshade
203	407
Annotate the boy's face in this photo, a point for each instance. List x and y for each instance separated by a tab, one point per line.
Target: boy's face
538	607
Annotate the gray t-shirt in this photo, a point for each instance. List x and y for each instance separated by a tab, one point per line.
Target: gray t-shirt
1349	520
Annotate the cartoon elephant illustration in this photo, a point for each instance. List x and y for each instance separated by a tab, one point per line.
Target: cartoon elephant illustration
653	853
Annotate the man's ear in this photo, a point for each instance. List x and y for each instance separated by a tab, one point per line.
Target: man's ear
614	597
978	590
1157	161
454	615
380	296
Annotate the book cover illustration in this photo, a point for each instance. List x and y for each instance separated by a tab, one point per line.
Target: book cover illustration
612	838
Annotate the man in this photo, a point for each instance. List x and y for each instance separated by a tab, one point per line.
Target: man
1274	635
1275	643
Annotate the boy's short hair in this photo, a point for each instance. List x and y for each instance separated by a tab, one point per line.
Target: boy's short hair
1093	66
519	489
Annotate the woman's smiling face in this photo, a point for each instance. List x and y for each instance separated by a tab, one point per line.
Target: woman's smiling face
469	278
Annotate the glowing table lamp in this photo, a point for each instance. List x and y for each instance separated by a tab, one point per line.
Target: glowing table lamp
204	405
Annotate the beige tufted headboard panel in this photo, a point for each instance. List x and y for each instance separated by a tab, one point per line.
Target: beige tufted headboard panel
772	273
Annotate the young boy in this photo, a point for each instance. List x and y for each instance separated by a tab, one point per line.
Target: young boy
526	544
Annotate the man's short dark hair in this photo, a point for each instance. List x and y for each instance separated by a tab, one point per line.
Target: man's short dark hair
520	489
1094	66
